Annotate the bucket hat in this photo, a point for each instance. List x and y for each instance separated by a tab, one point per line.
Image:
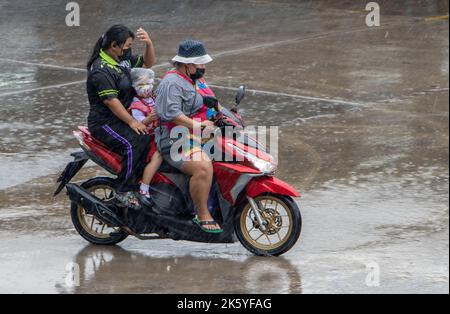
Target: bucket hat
192	51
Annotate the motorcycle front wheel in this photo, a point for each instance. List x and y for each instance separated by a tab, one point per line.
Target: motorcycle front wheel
90	227
282	224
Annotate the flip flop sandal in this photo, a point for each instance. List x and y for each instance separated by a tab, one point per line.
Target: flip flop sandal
201	223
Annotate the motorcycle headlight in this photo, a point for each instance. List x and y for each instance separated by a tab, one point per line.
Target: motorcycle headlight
265	167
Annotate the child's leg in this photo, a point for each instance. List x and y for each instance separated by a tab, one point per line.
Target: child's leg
152	168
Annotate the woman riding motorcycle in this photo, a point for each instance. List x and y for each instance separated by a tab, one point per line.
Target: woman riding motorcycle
110	93
180	102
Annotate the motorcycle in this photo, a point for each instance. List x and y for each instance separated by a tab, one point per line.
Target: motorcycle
251	205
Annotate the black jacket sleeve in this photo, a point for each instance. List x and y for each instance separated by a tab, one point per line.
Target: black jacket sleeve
105	85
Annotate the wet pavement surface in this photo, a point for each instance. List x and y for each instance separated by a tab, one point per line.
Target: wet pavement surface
363	119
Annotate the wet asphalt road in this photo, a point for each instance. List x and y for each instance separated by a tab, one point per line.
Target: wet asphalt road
363	117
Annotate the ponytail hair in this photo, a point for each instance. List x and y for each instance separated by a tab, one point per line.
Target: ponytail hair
116	33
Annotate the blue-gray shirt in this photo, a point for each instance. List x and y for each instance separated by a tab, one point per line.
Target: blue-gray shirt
175	96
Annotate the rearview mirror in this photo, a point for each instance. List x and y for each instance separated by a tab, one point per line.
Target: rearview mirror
240	95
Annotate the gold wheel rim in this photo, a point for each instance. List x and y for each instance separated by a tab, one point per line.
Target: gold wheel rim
279	225
89	222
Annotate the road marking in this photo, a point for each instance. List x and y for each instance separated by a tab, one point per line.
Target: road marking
269	93
287	41
60	67
161	65
436	18
253	91
41	88
45	65
300	39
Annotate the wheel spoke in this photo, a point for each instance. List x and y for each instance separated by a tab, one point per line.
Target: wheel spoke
270	242
279	237
256	240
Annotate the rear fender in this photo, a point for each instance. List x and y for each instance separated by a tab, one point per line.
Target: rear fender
72	168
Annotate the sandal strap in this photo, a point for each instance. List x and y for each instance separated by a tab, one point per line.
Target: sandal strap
201	224
207	223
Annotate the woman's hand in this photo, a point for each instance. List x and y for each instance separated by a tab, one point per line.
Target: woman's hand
138	127
208	127
207	123
120	112
143	36
149	55
184	120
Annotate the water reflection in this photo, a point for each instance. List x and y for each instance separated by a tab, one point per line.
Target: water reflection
116	270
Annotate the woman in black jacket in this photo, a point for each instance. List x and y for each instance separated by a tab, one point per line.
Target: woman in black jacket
110	93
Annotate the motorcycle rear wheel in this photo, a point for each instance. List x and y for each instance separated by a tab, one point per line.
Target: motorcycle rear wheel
278	236
90	227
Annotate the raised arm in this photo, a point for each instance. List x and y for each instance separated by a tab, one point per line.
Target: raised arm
149	55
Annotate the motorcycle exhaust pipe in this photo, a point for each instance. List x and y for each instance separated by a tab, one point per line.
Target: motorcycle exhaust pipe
93	205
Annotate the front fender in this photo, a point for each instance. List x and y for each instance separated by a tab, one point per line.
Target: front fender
272	185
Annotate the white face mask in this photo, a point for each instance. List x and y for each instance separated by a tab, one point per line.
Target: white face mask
144	88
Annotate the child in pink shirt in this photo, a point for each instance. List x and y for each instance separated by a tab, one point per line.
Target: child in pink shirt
143	110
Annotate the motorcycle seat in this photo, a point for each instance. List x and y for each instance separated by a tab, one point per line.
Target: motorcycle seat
99	150
112	160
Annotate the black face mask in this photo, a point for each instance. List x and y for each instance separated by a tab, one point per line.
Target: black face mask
126	54
199	73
